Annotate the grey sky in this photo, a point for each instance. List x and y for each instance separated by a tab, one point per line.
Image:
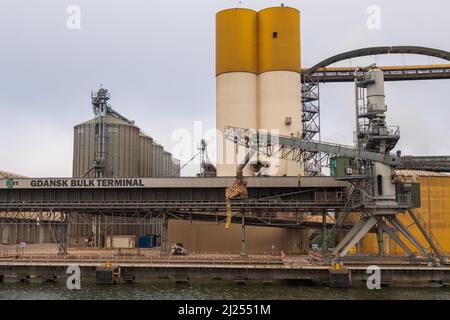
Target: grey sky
157	59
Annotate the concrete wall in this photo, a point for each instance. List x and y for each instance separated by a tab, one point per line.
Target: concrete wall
30	233
210	237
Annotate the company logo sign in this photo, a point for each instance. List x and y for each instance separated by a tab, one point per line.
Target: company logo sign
10	183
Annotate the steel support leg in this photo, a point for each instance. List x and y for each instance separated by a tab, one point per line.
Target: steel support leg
380	241
65	233
324	225
164	234
408	235
394	237
94	231
428	238
369	223
353	231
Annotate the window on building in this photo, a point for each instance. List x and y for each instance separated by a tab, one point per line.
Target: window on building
380	185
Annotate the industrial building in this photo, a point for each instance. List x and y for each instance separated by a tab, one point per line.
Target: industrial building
375	204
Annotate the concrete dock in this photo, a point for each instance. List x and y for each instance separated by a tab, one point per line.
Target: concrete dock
151	266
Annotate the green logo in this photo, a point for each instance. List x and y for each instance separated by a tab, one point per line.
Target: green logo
9	183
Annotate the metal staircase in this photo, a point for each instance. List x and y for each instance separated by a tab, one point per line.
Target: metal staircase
340	220
310	93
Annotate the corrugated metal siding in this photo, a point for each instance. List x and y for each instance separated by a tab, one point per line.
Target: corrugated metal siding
122	150
129	153
83	155
146	157
158	161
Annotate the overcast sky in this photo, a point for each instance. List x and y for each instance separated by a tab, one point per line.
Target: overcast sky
157	60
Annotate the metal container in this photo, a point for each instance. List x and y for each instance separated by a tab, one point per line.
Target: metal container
147	241
339	166
157	240
121	241
122	149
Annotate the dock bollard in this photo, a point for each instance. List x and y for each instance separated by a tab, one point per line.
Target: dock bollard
340	277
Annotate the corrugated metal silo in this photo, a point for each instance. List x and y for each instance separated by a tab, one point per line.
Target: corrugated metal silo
176	167
158	161
122	148
154	159
146	156
166	163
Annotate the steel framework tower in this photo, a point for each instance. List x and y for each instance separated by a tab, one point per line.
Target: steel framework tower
100	108
310	89
207	169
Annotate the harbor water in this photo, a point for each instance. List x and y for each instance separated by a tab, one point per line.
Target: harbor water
213	291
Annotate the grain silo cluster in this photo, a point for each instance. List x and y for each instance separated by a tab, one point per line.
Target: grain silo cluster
126	151
258	79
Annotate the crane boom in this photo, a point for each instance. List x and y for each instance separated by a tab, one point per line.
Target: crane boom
292	145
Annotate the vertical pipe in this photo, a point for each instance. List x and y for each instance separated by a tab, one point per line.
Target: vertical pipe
94	231
243	242
380	241
324	226
164	234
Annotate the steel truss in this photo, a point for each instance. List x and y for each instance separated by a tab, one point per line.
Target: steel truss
62	224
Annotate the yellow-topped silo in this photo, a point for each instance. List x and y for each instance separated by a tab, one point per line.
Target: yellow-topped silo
279	40
236	81
279	70
236	41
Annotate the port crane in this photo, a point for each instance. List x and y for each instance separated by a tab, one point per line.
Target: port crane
374	192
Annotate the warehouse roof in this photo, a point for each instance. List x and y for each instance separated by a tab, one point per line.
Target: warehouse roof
6	175
419	173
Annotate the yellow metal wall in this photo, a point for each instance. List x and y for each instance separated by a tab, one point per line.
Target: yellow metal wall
434	210
236	41
283	52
